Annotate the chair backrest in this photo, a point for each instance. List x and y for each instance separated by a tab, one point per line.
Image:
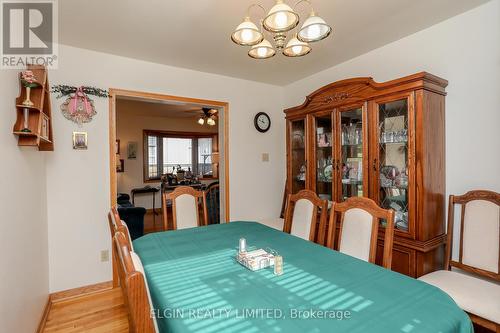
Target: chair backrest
301	215
213	203
134	288
185	207
479	245
359	220
116	224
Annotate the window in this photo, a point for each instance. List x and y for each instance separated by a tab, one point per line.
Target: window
165	151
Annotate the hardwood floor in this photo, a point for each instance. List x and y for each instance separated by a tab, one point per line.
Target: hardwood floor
102	312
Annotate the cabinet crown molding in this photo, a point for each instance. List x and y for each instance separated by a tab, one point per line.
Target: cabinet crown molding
359	89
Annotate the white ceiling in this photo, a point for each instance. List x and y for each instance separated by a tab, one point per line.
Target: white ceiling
195	34
155	108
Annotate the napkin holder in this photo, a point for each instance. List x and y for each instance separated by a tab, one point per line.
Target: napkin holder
255	260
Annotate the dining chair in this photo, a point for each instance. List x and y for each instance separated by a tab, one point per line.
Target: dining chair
117	224
471	284
185	208
301	215
213	203
134	288
359	219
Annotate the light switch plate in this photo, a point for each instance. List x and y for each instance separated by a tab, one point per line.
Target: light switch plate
265	157
104	256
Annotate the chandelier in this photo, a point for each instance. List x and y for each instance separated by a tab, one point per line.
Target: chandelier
279	21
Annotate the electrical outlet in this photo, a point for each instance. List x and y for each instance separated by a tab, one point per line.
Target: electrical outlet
104	256
265	157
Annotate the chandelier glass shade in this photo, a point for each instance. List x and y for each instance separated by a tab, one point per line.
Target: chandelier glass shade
278	22
281	18
296	48
263	50
247	34
314	29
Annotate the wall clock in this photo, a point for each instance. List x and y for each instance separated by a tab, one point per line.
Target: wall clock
262	122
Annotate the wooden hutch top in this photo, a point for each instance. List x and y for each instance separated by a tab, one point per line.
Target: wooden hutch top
354	90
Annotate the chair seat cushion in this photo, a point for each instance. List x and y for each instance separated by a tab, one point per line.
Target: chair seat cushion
474	295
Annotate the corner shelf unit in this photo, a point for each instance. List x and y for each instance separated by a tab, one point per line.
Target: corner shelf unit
39	115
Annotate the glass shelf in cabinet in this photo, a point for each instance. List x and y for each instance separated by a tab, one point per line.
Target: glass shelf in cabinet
351	182
394	143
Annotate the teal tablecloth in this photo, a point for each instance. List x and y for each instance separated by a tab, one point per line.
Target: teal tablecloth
197	286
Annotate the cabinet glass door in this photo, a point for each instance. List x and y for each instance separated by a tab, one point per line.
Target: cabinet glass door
298	154
324	156
393	159
351	153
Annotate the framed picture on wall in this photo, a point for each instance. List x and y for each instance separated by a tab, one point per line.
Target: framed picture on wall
80	140
132	147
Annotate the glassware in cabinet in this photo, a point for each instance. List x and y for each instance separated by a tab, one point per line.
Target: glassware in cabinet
393	159
351	152
324	161
298	163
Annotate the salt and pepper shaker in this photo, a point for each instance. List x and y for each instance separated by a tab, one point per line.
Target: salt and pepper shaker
243	245
278	265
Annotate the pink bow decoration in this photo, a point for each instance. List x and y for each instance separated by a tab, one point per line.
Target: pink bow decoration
80	97
78	107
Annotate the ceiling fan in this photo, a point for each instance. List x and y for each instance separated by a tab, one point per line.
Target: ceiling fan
209	115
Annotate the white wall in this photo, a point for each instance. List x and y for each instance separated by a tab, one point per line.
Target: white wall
24	269
129	127
465	50
78	181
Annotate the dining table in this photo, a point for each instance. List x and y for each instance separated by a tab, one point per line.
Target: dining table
196	285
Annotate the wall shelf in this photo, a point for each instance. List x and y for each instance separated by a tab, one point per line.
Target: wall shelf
39	114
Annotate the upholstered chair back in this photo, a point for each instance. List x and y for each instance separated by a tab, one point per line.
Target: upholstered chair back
357	233
302	214
185	208
479	233
358	221
186	211
481	236
302	218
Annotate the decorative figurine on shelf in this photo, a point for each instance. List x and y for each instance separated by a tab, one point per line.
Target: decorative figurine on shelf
28	80
78	107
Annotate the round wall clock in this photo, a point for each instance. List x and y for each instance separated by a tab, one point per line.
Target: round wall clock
262	122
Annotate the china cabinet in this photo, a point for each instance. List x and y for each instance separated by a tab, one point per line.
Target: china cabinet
385	141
